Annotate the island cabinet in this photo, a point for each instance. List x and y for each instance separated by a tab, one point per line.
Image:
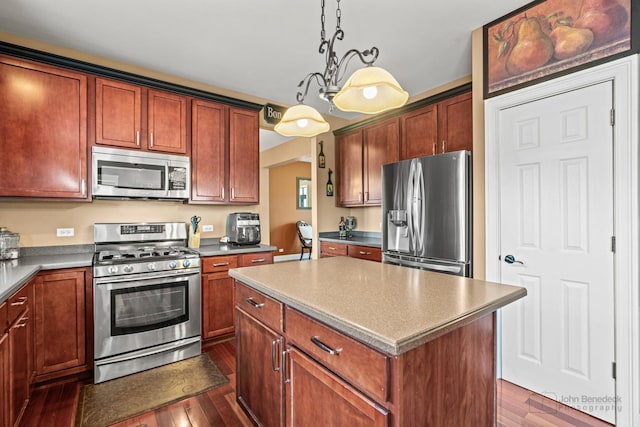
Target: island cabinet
43	129
327	377
437	128
218	298
360	155
63	307
15	355
225	154
135	117
260	343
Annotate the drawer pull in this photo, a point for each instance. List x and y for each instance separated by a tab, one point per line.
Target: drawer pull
325	347
19	301
255	304
332	248
220	264
275	344
22	323
365	253
255	261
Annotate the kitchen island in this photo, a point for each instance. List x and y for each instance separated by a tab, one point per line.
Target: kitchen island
342	341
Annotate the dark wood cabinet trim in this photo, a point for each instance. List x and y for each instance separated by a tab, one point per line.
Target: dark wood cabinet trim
99	70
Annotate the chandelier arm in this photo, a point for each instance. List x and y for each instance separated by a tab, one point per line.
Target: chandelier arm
300	96
352	53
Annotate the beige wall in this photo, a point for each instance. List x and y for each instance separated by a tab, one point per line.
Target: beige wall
283	209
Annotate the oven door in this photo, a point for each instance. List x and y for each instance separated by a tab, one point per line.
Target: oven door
133	313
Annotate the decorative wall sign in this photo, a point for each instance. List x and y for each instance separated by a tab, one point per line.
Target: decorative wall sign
547	38
273	113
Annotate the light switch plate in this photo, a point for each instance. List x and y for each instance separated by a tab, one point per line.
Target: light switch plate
65	232
206	228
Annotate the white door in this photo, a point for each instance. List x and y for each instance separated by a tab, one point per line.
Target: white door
556	225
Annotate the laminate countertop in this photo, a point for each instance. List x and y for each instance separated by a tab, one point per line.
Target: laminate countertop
392	308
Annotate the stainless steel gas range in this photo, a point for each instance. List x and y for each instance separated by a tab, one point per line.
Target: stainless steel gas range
146	298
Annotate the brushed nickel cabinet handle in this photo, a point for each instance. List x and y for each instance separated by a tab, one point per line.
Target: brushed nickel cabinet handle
151	139
435	147
138	138
233	193
20	301
222	193
84	187
365	253
257	260
22	323
274	345
283	364
220	264
444	146
325	347
255	304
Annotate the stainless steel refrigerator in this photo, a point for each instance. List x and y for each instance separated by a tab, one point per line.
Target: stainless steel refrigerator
426	209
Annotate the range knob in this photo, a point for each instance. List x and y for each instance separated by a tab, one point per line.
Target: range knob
151	266
173	264
128	268
112	269
186	263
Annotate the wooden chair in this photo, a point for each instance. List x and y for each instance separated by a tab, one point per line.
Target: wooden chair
305	234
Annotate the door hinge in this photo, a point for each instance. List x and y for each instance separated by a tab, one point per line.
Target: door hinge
613	244
613	117
613	370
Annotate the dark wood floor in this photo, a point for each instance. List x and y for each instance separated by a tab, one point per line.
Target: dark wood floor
55	406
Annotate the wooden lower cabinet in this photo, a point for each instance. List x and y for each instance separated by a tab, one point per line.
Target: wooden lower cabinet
19	366
316	396
60	322
4	378
259	385
218	298
330	249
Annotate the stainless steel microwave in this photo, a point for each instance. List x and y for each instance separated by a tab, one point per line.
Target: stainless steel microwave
128	174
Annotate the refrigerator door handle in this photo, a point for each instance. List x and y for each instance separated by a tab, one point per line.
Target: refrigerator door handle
420	209
410	203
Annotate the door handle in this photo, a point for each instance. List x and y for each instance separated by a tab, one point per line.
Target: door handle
510	259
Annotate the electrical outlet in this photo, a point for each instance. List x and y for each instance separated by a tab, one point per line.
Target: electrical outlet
280	250
206	228
65	232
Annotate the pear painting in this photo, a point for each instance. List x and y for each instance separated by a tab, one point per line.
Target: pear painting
552	36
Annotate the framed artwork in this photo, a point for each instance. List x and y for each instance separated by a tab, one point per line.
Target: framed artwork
548	38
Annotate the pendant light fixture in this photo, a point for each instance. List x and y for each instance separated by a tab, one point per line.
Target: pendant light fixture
369	90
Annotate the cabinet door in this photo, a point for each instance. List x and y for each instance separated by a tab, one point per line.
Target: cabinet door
218	305
455	123
259	385
244	156
43	129
118	114
19	366
59	321
419	132
349	159
208	148
4	378
381	146
167	122
315	396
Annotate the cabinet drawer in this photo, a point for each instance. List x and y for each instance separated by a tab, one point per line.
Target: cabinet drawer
362	366
365	252
260	306
258	258
333	249
17	303
219	263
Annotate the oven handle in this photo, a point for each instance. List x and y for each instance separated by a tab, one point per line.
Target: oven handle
141	277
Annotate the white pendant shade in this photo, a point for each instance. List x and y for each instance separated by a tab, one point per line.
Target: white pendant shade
301	120
370	90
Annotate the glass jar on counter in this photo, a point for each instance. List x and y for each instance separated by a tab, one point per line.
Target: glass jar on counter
9	244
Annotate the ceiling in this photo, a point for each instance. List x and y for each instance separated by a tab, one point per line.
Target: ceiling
263	48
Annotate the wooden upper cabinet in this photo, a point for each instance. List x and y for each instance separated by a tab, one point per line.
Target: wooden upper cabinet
244	156
208	148
121	121
118	114
43	125
381	146
438	128
167	122
419	132
455	123
349	157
